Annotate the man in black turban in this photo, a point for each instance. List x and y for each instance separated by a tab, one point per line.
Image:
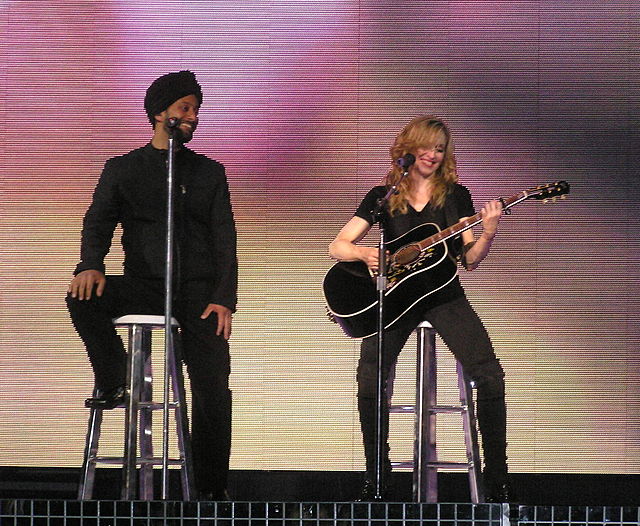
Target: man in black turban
167	89
131	191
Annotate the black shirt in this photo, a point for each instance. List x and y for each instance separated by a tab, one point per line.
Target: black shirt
132	191
458	203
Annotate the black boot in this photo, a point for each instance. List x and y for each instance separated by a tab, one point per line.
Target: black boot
368	492
211	443
492	420
107	399
497	487
499	493
367	410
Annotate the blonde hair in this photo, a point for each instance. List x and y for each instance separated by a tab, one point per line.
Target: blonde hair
422	132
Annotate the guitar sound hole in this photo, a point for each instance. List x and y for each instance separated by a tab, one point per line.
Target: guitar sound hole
406	255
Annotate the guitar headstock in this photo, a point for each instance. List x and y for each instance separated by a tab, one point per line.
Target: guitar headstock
549	191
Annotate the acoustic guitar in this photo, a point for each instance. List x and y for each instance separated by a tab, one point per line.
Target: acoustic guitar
419	264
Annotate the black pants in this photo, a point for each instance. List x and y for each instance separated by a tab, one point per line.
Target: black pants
464	334
205	355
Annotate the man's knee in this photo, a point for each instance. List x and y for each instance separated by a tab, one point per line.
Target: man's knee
79	309
72	303
209	372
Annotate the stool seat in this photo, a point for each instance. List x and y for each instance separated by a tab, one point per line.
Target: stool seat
139	407
151	320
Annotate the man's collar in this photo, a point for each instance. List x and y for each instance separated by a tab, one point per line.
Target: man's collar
163	151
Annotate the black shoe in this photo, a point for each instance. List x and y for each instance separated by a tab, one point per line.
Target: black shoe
368	493
214	495
501	493
107	399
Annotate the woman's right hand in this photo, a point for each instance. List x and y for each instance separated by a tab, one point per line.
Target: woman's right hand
369	256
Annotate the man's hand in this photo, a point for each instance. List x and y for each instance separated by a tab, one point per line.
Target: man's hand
82	284
224	318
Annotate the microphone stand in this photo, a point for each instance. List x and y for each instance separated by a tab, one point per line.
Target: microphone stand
168	328
381	287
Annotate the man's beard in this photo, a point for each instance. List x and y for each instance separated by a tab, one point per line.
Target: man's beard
183	137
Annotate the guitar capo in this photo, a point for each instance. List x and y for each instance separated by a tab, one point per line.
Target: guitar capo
505	210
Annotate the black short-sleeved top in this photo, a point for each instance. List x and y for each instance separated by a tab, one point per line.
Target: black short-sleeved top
459	204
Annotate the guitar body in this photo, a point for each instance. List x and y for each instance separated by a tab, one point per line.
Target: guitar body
351	293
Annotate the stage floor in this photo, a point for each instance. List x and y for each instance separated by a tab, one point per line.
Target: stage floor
18	512
47	497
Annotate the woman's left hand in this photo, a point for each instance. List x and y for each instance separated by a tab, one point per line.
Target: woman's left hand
490	214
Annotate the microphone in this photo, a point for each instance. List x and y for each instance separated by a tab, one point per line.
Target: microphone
406	161
173	122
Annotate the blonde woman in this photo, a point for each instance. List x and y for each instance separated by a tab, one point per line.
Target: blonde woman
430	195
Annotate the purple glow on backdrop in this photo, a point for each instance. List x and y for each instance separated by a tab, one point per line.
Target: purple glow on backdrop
302	100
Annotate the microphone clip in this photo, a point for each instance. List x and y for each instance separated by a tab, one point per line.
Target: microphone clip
406	161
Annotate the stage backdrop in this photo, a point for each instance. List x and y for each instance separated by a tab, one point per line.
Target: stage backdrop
302	100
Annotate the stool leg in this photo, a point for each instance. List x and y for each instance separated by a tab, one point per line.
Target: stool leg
85	489
425	476
182	424
470	435
134	376
145	427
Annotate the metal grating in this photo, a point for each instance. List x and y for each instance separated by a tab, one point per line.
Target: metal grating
114	513
578	515
27	512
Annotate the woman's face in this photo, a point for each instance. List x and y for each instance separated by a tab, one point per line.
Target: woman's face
429	159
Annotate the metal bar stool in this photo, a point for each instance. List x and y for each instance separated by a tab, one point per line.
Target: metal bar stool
139	408
425	462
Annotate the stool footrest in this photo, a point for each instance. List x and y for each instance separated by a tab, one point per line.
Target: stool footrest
434	409
449	465
158	405
402	464
448	409
443	464
402	409
157	461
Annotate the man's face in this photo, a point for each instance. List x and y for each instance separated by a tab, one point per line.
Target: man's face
186	111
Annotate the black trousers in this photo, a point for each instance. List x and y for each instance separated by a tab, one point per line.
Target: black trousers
464	334
205	355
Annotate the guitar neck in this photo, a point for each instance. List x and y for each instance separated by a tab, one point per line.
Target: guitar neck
469	222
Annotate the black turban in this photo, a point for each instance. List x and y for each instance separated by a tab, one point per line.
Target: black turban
165	90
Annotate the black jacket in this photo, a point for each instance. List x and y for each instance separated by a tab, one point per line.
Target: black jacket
132	191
